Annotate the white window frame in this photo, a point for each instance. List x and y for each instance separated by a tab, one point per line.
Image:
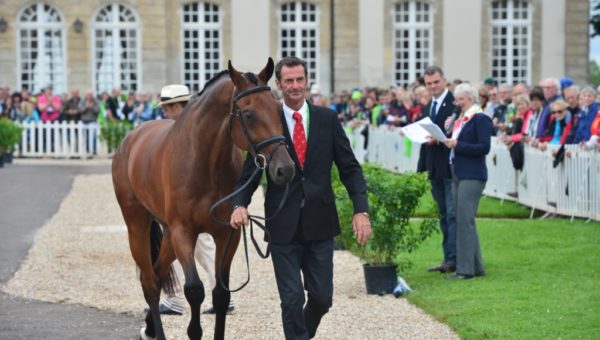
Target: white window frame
42	74
510	23
201	27
412	26
115	26
298	26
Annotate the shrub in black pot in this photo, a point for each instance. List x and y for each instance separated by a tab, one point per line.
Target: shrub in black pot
393	199
10	135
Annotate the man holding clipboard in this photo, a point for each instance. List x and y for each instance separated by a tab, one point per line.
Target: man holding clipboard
433	158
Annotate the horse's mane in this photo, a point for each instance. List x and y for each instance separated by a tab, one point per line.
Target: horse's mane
248	75
212	81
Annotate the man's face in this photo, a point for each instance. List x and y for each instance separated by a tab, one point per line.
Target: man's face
571	97
172	111
549	90
504	94
292	85
436	84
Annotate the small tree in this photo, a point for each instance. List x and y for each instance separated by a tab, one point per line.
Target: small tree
393	199
10	135
113	132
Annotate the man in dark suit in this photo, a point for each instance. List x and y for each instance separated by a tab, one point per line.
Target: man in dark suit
433	158
303	230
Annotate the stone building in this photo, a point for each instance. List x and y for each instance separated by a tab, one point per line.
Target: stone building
140	45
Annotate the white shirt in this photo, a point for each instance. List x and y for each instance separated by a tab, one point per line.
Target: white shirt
291	122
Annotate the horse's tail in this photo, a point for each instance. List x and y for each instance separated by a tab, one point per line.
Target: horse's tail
170	282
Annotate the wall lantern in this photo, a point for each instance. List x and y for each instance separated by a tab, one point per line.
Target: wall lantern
3	25
78	25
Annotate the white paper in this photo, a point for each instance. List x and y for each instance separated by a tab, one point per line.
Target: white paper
416	133
433	129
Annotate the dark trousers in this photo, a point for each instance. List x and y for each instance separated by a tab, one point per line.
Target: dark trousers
441	190
314	260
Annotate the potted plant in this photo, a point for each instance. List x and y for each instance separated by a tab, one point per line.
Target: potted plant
10	135
113	132
393	199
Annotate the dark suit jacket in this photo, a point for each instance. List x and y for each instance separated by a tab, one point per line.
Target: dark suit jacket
473	145
434	158
311	187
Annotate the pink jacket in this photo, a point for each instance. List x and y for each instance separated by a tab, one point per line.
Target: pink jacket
50	111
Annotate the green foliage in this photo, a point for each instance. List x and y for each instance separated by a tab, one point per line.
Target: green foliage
393	199
595	19
113	132
10	135
594	73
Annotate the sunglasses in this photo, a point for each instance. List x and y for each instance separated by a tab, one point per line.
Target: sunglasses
559	111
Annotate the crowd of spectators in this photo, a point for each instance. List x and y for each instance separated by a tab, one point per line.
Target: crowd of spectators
47	107
555	111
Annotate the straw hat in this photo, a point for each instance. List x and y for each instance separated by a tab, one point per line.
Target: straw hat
174	93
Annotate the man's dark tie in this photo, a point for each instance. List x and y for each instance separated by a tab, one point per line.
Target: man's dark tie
433	109
299	138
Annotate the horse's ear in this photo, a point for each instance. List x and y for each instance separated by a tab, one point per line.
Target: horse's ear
267	72
234	74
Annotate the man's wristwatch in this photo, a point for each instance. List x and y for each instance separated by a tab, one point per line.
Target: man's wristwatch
366	214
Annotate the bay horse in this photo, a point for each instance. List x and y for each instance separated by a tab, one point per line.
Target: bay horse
172	172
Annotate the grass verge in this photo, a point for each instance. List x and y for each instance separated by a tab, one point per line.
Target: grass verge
542	282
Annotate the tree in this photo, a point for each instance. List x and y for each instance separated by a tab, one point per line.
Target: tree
594	73
595	19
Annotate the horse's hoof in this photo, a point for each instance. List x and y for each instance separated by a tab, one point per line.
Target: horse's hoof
143	335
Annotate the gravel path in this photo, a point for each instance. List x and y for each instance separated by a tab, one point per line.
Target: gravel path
82	256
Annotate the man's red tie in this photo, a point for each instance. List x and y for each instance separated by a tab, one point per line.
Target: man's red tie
299	138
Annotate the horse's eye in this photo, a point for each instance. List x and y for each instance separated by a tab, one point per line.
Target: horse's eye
248	115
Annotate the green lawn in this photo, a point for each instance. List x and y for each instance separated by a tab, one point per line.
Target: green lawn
542	282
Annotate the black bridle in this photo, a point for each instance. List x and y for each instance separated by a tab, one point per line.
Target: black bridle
261	161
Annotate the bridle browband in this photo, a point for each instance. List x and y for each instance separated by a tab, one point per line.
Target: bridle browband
261	161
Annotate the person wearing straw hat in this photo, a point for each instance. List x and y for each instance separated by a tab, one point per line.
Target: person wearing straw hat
173	99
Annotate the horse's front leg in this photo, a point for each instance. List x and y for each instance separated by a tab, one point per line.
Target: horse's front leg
183	243
220	295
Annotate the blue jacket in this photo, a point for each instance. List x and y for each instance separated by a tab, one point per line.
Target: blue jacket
473	145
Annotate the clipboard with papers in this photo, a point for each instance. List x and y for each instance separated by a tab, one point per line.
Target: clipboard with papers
423	130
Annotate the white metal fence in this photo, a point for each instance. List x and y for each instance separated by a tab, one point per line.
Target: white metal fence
62	140
571	189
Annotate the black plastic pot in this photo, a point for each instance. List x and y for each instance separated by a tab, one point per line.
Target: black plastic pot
380	279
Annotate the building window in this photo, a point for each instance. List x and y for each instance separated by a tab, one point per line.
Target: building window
510	42
201	41
298	35
40	48
413	37
116	49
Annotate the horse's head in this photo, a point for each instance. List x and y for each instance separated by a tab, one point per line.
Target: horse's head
256	125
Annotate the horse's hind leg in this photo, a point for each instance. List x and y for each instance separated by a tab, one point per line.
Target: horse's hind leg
138	227
183	242
220	295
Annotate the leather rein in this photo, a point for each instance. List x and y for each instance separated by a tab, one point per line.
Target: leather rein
261	161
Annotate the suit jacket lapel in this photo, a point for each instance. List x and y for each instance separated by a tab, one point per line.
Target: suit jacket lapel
313	133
